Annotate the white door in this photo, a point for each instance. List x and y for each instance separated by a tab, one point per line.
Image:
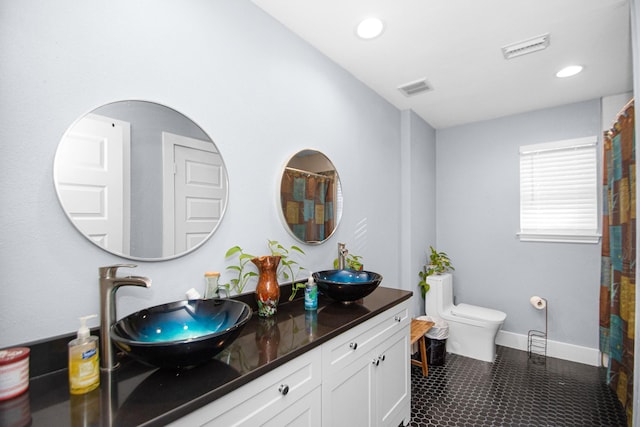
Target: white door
195	190
91	175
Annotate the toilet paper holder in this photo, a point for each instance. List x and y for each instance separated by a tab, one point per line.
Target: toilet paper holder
537	340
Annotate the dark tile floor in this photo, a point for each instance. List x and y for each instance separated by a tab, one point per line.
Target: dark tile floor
513	391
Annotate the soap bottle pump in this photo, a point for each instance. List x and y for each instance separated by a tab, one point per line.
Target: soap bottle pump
84	360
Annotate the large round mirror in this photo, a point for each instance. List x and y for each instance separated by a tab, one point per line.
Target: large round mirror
310	197
141	180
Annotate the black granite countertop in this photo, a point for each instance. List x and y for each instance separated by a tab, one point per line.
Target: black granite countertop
136	394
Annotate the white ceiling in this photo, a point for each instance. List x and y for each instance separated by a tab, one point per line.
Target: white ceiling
457	46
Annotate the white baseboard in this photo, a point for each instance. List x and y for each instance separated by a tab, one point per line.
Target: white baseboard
557	349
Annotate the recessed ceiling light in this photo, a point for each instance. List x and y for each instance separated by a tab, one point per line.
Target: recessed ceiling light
569	71
370	28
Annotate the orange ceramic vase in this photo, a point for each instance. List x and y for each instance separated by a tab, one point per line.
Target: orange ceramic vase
268	290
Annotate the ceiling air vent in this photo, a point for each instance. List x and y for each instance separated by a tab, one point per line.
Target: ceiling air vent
414	88
527	46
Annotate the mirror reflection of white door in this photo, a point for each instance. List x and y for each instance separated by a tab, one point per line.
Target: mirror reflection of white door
194	190
92	172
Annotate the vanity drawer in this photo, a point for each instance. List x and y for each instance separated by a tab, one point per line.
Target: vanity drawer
263	398
342	350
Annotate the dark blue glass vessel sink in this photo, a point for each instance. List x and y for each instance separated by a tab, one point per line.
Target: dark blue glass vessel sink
181	333
346	285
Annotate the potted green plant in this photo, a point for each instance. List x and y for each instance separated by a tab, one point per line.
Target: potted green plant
241	277
439	262
353	262
243	270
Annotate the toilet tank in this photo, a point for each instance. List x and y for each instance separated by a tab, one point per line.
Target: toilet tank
440	295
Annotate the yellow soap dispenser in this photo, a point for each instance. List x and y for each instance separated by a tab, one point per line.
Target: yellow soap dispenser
84	360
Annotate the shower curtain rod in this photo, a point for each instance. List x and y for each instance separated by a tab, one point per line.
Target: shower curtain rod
622	111
307	172
627	105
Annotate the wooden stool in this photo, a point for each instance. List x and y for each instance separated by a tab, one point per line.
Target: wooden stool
418	329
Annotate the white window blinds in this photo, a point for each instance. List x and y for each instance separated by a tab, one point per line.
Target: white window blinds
559	191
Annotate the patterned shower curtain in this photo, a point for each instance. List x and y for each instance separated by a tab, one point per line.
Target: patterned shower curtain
618	271
307	203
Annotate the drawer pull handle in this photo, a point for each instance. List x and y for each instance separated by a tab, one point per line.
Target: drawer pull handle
397	318
382	357
353	345
375	361
284	389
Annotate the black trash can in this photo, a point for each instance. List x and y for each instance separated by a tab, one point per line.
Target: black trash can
436	351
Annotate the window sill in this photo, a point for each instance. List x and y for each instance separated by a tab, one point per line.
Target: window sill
559	238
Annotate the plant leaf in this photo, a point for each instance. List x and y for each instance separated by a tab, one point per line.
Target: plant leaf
295	248
232	251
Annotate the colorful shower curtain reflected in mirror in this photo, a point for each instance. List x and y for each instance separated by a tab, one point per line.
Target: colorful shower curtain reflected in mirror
308	203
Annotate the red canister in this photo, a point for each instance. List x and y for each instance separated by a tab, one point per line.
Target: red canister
14	372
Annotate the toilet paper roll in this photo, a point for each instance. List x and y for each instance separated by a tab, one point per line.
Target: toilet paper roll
538	302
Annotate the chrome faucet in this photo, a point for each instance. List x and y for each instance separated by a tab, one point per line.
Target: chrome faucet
109	283
342	255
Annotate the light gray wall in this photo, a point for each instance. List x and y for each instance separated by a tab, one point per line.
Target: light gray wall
477	218
261	93
418	217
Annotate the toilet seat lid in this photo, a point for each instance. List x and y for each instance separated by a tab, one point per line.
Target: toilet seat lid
478	313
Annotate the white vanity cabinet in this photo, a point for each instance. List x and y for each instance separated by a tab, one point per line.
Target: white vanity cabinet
288	395
366	373
359	378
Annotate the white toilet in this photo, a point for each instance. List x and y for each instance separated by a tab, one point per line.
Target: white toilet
472	329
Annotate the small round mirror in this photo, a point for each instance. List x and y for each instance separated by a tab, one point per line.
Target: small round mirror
141	180
310	197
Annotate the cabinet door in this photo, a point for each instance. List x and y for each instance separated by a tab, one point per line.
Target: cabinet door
347	395
392	381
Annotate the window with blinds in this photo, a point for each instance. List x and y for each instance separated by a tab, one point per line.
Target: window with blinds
559	191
